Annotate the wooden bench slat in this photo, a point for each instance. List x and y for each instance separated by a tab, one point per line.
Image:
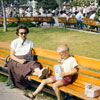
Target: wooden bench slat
47	62
1	19
88	79
4	45
12	19
3	73
88	72
46	53
88	62
3	55
5	51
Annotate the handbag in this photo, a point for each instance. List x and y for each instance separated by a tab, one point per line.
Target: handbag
31	55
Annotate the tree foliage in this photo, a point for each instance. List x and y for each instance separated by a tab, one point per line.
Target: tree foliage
47	4
80	2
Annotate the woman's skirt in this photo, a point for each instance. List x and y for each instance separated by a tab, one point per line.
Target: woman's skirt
19	72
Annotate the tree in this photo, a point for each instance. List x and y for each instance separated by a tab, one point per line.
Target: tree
47	4
4	15
98	2
59	2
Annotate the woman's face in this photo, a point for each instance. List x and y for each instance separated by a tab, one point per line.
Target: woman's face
22	34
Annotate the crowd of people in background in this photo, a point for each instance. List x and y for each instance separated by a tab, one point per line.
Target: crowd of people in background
78	12
64	11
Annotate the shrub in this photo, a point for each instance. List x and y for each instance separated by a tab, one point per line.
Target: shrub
12	24
1	25
29	24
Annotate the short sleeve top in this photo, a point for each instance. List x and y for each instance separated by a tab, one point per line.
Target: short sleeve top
21	50
69	64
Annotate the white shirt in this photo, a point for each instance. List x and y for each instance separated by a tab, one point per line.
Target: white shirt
92	16
20	49
64	15
79	16
69	64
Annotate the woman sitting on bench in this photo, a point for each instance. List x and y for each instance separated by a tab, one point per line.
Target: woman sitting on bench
22	61
69	68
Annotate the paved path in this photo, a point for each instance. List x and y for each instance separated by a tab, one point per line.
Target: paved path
11	94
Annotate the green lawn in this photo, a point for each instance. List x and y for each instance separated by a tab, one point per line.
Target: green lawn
81	43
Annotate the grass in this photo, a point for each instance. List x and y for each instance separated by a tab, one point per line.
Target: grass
3	78
81	43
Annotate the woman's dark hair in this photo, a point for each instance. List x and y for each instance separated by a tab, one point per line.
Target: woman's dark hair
22	27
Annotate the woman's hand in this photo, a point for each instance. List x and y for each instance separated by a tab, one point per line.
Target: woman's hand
22	61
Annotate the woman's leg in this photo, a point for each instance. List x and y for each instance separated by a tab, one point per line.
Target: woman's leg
37	71
41	73
55	88
40	87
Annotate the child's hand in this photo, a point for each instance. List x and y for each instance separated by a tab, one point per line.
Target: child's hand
62	74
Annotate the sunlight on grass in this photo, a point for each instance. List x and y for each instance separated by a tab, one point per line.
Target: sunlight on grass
81	43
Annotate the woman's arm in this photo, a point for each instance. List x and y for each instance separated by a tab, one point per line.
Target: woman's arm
12	54
75	70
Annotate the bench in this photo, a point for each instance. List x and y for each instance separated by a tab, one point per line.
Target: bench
71	21
25	18
89	71
91	22
1	20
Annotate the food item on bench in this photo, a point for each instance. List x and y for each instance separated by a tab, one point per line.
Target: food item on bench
92	90
57	69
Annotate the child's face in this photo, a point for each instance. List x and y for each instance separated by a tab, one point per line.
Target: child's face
64	54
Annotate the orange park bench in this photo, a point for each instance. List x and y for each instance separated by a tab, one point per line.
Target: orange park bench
62	20
10	19
35	19
89	71
71	21
1	19
91	22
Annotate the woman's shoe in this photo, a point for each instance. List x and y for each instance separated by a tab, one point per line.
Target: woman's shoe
28	95
43	73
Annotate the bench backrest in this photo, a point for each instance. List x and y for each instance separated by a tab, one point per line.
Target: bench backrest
1	19
89	69
12	19
62	19
91	22
72	20
25	18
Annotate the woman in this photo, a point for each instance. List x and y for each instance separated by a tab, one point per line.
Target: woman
22	64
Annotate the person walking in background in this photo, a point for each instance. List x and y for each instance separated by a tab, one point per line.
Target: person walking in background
79	21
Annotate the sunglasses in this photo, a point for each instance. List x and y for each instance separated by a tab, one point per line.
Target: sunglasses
23	33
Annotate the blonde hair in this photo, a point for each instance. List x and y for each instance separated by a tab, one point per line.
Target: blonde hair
63	47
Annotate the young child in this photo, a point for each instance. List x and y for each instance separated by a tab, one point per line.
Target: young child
69	68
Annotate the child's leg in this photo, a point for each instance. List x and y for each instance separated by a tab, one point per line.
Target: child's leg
40	87
55	88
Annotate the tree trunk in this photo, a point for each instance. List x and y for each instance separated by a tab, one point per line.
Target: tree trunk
4	16
59	2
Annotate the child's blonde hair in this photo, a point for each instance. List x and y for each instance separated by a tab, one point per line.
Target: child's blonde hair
63	47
